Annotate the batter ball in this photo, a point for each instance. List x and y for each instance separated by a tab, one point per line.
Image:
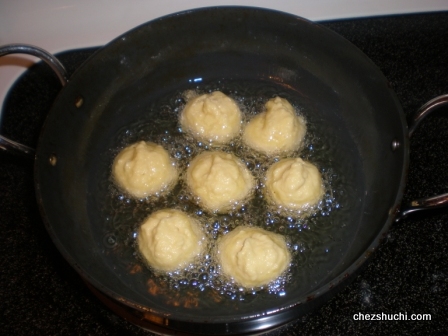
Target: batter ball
219	180
169	239
294	184
212	117
277	130
144	169
253	257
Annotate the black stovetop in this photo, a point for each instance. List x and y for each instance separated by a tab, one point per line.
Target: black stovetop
42	294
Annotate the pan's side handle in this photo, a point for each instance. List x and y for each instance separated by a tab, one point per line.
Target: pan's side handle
430	202
5	143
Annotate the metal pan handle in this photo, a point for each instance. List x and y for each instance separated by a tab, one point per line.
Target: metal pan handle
430	202
5	143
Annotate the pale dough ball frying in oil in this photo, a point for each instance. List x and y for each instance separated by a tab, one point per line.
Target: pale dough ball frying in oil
294	184
219	180
144	169
253	257
169	239
277	130
212	117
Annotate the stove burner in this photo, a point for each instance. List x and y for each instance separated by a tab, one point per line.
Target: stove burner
408	273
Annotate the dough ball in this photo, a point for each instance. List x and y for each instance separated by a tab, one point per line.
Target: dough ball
220	180
252	256
169	239
212	117
144	169
277	130
294	184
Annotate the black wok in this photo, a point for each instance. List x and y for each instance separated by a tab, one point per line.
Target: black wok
317	69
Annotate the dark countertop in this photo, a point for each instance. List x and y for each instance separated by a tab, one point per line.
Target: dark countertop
41	294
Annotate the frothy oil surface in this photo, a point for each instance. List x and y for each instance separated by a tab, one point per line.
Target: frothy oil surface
310	236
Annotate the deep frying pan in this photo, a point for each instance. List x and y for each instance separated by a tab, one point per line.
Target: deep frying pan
334	83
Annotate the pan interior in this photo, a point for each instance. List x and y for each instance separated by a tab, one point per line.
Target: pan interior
133	90
318	243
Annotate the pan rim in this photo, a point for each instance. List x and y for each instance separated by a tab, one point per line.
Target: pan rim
315	294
